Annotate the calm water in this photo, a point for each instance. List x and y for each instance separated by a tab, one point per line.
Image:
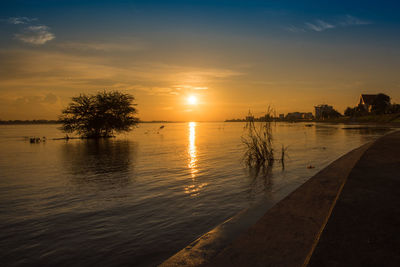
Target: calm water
140	197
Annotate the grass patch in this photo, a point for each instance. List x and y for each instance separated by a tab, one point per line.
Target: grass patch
258	140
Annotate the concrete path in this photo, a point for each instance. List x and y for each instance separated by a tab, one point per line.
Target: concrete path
346	215
287	234
364	228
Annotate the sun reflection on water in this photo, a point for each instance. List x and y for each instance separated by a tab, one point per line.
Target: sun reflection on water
194	188
192	149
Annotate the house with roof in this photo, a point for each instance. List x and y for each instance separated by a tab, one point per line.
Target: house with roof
367	101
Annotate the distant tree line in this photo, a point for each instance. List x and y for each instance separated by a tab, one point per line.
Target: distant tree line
330	114
10	122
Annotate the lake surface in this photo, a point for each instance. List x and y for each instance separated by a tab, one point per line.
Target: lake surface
138	198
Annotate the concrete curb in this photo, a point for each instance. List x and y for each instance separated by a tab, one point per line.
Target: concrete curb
286	234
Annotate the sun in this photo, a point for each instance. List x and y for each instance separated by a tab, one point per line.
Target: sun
192	100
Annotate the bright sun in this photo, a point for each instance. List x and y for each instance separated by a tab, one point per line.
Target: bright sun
192	100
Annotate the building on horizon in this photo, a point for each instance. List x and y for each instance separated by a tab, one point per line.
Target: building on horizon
299	116
366	101
322	109
308	116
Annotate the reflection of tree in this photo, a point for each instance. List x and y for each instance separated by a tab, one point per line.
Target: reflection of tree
106	163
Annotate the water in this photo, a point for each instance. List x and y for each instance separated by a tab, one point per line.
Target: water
139	198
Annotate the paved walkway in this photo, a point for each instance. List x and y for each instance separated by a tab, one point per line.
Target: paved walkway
364	228
346	215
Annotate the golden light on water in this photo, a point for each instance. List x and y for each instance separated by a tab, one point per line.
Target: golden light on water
192	149
193	188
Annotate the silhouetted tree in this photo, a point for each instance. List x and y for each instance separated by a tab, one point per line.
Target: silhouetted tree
356	111
330	114
99	115
381	104
394	108
350	112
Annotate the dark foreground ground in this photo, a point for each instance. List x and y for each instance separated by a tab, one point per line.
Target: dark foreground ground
346	215
364	228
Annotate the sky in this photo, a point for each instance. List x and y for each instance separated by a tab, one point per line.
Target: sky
231	56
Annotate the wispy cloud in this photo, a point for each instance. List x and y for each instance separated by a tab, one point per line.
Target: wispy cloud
36	35
320	25
49	98
349	20
292	28
29	32
104	47
190	87
20	20
171	90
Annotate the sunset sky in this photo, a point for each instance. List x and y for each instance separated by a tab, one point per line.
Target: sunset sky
230	56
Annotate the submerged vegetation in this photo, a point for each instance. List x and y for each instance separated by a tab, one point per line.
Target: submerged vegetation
99	115
258	140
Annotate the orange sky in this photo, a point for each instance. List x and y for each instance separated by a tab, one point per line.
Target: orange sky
286	60
38	84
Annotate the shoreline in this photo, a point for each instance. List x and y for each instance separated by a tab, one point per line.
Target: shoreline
371	123
290	231
207	249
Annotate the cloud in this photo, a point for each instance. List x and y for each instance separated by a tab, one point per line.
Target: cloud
22	73
37	35
349	20
32	34
20	20
320	25
209	73
292	28
190	87
103	47
50	98
43	104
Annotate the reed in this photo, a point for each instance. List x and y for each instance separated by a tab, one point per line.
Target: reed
283	155
258	140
